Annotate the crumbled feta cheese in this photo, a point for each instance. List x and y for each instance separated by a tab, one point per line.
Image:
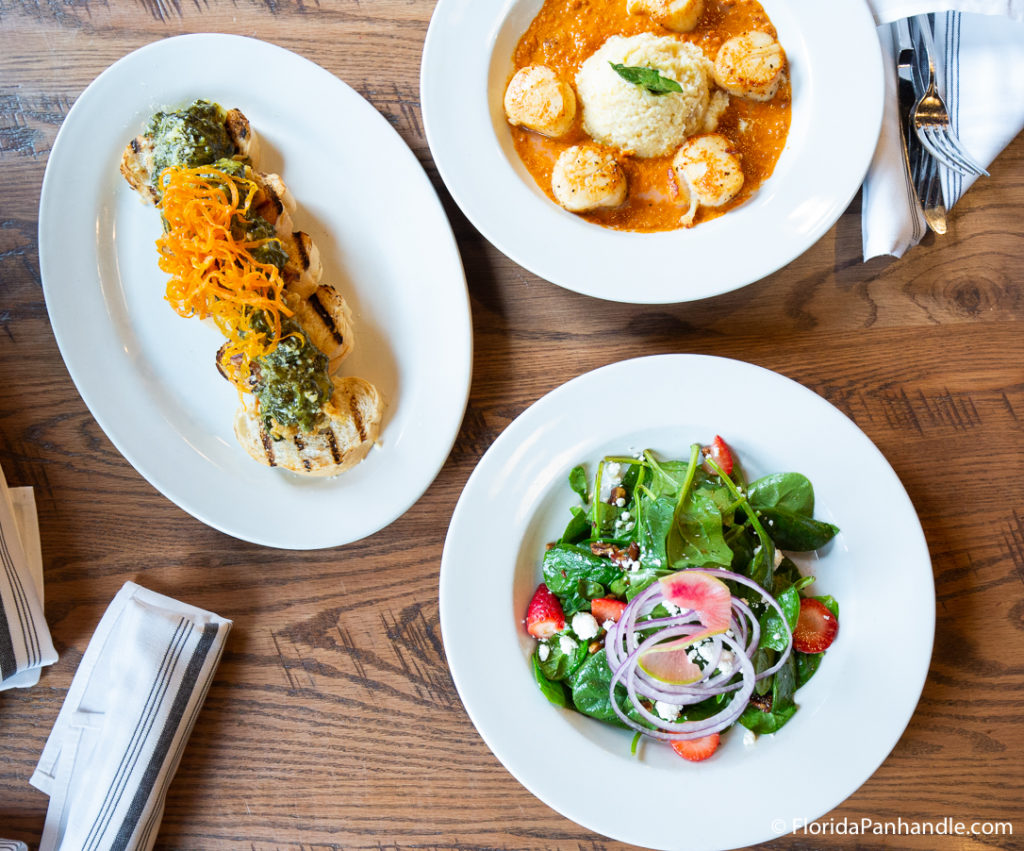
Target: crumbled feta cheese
749	739
727	662
543	652
625	516
778	557
668	711
630	564
607	625
611	477
621	501
566	644
584	625
672	608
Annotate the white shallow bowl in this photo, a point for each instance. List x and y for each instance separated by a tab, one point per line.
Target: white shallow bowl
148	376
851	713
836	71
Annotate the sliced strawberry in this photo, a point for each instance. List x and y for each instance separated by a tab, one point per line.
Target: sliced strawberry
721	454
606	609
696	750
544	615
816	627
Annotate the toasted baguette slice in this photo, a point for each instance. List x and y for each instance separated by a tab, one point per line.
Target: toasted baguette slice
303	271
325	317
137	161
351	425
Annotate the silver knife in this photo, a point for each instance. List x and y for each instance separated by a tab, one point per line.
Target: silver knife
913	152
929	180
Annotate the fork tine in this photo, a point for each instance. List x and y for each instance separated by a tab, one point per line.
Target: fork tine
926	136
951	145
955	145
942	147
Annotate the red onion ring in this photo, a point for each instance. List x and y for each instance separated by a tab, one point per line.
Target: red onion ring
623	652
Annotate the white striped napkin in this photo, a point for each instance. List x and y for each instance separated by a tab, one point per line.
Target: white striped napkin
25	643
979	70
12	845
125	721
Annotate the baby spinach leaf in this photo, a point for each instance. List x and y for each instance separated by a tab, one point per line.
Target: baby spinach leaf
792	491
589	590
830	603
773	634
653	524
559	664
650	78
782	706
566	564
553	691
765	722
591	684
696	538
578	481
763	564
792	531
578	528
806	665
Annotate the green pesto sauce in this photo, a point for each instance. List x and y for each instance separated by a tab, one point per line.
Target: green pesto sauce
291	383
189	137
271	251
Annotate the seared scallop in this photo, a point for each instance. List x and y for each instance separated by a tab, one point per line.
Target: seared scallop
585	177
750	65
537	100
709	169
679	15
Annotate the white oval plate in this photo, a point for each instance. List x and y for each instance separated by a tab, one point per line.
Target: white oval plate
148	376
836	71
851	713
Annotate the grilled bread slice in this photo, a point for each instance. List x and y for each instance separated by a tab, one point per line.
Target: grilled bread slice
326	319
137	161
349	426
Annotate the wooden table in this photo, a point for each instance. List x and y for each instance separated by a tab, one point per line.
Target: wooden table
333	721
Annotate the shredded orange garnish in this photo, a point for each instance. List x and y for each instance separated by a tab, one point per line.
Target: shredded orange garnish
213	274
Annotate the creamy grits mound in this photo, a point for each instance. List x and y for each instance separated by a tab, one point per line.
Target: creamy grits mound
628	116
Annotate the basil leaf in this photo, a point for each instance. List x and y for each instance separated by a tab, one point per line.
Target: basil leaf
650	78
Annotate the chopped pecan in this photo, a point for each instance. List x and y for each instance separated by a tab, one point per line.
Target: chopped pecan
617	493
618	556
762	701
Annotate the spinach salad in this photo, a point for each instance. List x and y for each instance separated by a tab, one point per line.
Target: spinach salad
668	605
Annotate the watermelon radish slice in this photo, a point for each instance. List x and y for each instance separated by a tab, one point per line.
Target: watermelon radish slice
706	595
711	602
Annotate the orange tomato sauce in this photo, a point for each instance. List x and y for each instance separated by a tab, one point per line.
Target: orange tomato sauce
567	32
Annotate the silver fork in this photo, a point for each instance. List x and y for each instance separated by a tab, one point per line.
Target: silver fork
931	118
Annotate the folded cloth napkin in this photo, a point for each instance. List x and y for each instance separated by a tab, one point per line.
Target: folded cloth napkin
125	721
12	845
979	68
25	643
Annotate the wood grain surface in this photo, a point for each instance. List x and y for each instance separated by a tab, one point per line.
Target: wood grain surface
333	722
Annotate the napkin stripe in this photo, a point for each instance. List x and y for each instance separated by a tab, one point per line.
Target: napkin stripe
171	726
143	727
25	618
953	90
154	816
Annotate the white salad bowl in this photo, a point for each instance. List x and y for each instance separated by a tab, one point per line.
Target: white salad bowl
851	714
